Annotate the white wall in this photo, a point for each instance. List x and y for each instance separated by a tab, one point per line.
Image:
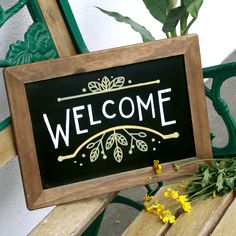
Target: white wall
216	29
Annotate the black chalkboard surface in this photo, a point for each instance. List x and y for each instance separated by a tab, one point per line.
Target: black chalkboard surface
91	118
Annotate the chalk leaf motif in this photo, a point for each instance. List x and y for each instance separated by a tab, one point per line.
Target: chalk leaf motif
118	154
90	145
105	84
117	82
94	154
121	139
110	142
94	86
141	145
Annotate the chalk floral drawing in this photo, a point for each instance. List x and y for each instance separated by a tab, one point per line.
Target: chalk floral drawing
106	84
116	140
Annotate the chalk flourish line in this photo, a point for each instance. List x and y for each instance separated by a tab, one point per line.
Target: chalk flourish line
73	155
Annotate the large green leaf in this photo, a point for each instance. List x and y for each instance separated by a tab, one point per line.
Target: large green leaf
157	8
173	19
2	16
193	6
145	34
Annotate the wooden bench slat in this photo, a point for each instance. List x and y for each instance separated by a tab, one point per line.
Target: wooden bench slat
7	146
148	224
224	227
202	219
73	218
57	27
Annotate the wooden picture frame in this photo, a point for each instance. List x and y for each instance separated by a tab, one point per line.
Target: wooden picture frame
29	85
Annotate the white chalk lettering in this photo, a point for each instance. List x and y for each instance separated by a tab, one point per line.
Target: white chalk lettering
140	104
91	119
76	119
104	110
161	101
121	107
59	130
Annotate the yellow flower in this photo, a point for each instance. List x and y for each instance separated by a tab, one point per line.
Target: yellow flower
157	167
186	206
214	194
148	198
168	192
158	208
171	193
175	194
182	199
167	216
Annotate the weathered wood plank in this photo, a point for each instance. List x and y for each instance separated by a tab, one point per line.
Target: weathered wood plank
203	218
73	218
7	146
224	227
148	224
57	27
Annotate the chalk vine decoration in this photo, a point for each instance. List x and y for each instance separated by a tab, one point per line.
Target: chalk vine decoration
116	139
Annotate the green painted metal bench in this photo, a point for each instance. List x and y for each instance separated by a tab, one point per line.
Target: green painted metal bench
41	44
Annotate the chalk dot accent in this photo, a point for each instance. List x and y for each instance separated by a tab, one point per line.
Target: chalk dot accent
84	90
83	155
104	157
75	162
153	140
130	81
154	149
159	142
130	152
81	164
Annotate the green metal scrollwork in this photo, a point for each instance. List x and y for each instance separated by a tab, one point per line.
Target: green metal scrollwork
219	74
5	15
37	44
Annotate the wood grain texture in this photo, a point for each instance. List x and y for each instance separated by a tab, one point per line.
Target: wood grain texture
73	218
57	27
201	221
148	224
203	218
226	225
7	146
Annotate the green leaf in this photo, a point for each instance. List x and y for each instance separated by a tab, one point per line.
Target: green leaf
145	34
173	19
230	182
219	183
206	178
2	14
193	7
157	8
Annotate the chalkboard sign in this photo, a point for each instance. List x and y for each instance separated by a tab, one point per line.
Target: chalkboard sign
94	123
